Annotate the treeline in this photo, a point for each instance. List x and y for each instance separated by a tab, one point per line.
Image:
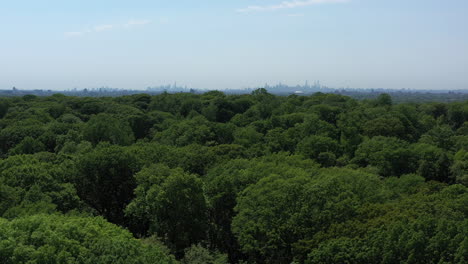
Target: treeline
232	179
408	96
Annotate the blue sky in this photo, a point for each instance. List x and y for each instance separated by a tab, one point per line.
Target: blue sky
58	44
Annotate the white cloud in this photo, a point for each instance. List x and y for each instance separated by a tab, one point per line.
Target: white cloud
288	5
101	28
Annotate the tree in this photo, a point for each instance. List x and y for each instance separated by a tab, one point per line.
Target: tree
391	156
173	205
458	113
28	145
277	213
106	128
197	130
68	239
197	254
326	112
385	126
460	167
104	180
225	182
313	146
266	103
440	136
434	163
420	228
247	177
29	185
262	225
140	124
15	133
192	158
278	140
312	125
247	136
384	100
3	108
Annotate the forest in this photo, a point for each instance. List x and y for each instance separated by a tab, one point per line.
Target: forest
215	178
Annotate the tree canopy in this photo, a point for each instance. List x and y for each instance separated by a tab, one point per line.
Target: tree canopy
215	178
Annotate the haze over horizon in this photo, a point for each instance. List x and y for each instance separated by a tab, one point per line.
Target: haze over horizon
234	44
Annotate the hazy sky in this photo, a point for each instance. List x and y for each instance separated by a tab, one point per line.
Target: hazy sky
62	44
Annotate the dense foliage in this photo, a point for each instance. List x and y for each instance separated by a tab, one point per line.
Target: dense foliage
217	178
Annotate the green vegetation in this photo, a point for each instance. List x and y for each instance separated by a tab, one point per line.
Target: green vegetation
215	178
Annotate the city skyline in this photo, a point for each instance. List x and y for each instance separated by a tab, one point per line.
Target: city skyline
234	44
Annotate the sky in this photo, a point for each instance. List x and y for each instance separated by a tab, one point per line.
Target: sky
210	44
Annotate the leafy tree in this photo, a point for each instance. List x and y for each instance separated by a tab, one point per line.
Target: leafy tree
56	110
288	120
15	133
327	159
434	163
192	158
312	125
326	112
91	107
197	254
3	108
458	113
279	140
440	136
194	131
391	156
28	145
68	239
141	101
104	180
26	182
435	109
224	183
385	126
423	228
247	136
460	167
277	212
140	124
234	178
463	130
266	103
106	128
313	146
384	100
173	205
404	185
